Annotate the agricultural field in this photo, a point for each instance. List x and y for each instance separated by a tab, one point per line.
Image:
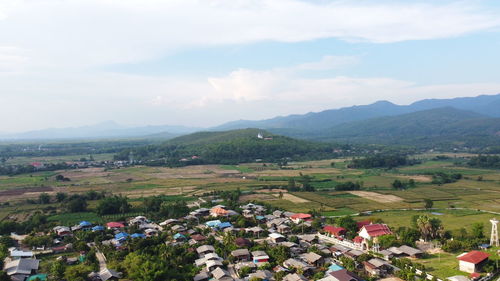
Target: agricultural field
266	182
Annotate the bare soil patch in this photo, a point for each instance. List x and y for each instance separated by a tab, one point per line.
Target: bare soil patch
417	178
377	197
293	198
257	197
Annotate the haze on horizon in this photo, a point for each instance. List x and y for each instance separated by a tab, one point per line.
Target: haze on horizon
202	63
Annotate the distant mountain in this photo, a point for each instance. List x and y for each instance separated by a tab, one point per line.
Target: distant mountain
487	105
445	124
108	129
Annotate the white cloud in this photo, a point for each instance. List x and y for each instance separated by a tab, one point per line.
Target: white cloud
79	33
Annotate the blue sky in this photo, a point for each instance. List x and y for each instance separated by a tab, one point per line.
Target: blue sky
201	63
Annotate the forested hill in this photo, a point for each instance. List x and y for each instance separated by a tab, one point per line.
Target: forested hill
230	147
425	127
485	105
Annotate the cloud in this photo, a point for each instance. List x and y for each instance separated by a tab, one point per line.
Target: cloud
85	33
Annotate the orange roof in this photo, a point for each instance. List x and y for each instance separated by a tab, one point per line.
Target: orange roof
301	216
219	211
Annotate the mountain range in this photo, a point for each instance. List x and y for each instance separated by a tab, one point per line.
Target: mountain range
474	120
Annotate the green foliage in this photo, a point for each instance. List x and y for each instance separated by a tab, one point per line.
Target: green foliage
381	161
232	147
113	205
485	161
44	198
428	203
349	224
77	272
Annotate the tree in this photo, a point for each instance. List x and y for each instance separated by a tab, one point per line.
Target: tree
75	205
478	230
397	184
61	196
349	224
44	198
57	269
152	204
387	241
428	203
77	272
113	205
430	228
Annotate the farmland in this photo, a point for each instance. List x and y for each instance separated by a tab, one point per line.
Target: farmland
477	189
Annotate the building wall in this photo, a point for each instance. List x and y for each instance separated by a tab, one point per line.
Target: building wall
467	267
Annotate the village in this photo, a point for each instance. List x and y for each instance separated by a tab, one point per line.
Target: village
251	242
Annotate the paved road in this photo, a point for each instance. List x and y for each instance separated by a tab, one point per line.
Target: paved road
102	260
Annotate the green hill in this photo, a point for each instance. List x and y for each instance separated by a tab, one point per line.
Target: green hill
425	127
229	147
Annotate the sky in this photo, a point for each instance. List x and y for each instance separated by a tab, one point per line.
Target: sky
68	63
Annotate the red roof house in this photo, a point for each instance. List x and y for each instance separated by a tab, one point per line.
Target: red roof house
472	261
374	230
334	231
297	218
358	240
115	225
360	224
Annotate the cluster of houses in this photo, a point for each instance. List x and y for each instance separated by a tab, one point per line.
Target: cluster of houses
310	253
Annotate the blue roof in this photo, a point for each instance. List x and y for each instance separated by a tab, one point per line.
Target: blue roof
215	223
85	223
224	225
260	217
178	235
121	236
138	235
98	228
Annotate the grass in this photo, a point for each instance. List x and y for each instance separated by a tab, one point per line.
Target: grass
75	218
242	169
441	265
339	212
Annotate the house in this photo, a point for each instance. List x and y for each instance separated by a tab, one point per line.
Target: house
410	251
360	224
374	230
376	267
300	217
260	257
218	211
169	222
313	259
18	254
344	275
213	224
241	255
179	237
109	274
224	225
283	229
213	264
264	275
198	238
472	261
221	274
205	249
396	252
62	231
20	269
256	230
294	277
98	228
202	276
296	264
115	225
333	231
276	237
244	264
121	237
386	254
242	242
353	254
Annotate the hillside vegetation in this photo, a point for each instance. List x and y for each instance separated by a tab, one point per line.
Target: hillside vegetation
229	147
